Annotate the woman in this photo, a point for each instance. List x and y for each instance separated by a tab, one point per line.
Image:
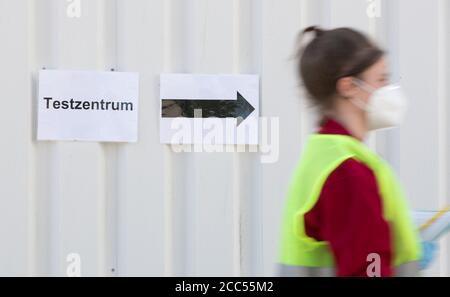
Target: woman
345	214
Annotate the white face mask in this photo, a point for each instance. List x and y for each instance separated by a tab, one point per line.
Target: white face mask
386	107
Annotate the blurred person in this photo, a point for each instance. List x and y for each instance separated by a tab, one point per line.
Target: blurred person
345	214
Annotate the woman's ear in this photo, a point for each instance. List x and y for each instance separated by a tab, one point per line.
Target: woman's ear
346	88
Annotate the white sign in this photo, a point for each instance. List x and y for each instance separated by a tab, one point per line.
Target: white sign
209	109
88	106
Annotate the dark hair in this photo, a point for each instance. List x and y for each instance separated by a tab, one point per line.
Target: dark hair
331	55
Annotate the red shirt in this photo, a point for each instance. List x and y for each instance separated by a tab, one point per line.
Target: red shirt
348	215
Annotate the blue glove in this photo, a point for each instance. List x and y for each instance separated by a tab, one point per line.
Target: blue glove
429	250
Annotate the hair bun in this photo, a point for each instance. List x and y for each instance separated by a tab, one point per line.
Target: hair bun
318	31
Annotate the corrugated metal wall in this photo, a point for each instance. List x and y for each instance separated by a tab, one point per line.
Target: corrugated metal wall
141	209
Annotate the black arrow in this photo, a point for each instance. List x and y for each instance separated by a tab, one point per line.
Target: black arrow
238	108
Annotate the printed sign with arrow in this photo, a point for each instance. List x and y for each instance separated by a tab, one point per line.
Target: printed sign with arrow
214	99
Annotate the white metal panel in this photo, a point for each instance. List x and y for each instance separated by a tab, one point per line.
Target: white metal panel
279	90
16	140
419	72
140	40
143	209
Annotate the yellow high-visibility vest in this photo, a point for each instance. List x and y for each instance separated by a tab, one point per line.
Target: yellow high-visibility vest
322	155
